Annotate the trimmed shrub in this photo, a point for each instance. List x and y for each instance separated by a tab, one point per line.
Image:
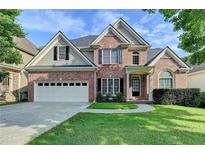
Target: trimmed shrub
109	97
185	97
119	97
100	97
202	99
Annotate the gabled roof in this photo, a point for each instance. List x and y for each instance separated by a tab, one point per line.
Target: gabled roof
43	51
131	30
159	54
152	53
105	31
84	41
25	45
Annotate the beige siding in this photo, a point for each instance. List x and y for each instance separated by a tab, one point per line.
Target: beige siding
127	34
197	80
74	58
89	55
26	58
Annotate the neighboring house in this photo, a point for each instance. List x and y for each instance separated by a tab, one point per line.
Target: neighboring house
116	60
196	77
13	78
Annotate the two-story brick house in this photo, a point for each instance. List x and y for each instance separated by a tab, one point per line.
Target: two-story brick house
116	60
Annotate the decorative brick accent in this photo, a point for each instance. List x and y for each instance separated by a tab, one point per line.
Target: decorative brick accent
60	76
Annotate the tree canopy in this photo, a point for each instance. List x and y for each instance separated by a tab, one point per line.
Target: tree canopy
192	25
9	28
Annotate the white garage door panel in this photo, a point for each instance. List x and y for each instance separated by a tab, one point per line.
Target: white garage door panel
61	93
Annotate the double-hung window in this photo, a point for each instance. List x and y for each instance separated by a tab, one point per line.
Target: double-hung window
110	85
111	56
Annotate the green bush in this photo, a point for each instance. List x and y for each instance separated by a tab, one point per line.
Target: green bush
100	97
185	97
119	97
202	99
109	98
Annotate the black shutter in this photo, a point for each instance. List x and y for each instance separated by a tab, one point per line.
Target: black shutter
67	53
121	85
100	56
99	84
55	53
120	56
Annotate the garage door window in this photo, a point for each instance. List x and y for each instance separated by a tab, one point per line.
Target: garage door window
77	84
52	84
59	84
71	84
40	84
46	84
65	84
84	84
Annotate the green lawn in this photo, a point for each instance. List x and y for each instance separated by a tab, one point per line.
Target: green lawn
112	106
165	125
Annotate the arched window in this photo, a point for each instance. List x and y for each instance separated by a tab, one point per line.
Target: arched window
135	58
165	80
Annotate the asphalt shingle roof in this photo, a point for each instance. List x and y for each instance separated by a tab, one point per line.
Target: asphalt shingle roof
26	45
197	68
152	53
84	41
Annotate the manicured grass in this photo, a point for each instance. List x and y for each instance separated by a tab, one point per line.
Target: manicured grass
112	106
165	125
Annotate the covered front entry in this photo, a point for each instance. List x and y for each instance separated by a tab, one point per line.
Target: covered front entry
57	91
138	83
135	84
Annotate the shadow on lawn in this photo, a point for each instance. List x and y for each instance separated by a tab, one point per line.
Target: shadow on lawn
165	125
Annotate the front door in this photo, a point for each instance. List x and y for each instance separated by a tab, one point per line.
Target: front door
136	87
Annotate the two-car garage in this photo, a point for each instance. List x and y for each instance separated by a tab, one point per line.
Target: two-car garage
61	91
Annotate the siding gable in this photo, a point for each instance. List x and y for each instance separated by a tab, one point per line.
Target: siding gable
74	58
46	56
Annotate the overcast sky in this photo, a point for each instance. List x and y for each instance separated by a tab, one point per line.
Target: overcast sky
41	25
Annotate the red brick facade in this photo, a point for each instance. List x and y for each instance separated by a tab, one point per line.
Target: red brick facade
115	71
166	63
60	76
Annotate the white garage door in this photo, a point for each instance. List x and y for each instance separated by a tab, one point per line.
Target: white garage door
70	91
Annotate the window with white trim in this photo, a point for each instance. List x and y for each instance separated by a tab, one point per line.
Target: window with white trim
111	56
165	80
62	52
135	58
110	85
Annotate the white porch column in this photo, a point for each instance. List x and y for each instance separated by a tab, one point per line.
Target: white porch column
127	86
150	87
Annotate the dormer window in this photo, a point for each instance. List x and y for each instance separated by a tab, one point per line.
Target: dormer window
61	53
135	58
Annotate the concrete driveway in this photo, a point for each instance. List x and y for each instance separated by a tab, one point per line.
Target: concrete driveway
20	123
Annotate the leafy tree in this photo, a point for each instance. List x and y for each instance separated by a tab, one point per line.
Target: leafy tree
9	28
192	25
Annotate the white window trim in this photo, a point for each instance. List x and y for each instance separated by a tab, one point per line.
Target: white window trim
107	87
58	52
110	51
173	78
136	54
